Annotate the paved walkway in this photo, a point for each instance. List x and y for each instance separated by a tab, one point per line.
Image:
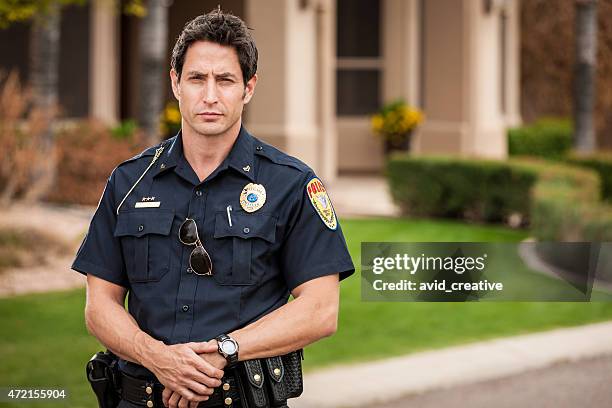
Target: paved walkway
363	385
69	224
569	384
359	196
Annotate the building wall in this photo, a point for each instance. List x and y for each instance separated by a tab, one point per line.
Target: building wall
284	109
464	83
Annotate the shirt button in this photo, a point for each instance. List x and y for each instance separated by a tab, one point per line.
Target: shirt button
185	308
189	270
246	230
198	193
259	148
140	228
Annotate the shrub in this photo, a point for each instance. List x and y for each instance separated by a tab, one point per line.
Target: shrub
547	137
26	170
599	162
87	153
125	130
481	190
561	202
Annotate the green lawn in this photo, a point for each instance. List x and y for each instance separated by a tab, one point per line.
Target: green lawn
44	343
370	330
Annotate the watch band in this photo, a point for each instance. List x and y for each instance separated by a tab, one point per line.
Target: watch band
231	358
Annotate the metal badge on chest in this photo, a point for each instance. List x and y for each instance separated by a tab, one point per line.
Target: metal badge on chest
253	197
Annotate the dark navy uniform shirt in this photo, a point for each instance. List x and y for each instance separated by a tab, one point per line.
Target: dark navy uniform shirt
257	260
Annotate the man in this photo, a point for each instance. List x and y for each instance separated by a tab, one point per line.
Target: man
209	233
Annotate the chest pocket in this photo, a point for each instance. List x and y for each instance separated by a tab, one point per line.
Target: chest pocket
144	240
250	237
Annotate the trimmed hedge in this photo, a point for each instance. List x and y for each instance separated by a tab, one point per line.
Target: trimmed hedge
560	202
599	162
548	137
552	138
480	190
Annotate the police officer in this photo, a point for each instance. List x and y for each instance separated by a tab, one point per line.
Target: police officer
208	234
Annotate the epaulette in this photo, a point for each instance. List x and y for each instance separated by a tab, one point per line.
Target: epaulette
278	157
158	150
148	152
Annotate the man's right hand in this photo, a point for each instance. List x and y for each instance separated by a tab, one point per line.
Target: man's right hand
179	368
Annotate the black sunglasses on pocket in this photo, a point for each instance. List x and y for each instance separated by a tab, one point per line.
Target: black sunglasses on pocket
199	260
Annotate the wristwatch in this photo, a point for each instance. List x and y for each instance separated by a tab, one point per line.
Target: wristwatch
228	348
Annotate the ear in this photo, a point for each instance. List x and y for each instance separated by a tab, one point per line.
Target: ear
249	89
176	85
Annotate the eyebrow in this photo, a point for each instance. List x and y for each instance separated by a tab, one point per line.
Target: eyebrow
221	75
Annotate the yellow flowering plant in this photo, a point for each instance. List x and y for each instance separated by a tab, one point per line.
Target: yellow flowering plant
170	121
395	122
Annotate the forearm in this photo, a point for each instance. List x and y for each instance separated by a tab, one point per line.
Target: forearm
290	327
114	327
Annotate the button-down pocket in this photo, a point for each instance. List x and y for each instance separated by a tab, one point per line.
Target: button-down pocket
145	243
250	237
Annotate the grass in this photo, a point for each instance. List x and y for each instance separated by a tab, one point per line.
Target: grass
44	344
43	340
372	330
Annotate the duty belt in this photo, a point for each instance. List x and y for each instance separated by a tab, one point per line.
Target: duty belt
148	393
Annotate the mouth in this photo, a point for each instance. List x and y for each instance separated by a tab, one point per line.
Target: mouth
210	115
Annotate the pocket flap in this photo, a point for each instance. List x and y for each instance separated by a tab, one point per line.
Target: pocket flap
139	223
254	373
245	226
275	368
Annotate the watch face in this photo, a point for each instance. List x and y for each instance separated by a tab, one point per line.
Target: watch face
228	347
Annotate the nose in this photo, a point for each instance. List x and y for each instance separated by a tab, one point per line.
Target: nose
210	92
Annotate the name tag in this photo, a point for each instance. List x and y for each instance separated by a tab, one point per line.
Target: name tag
147	204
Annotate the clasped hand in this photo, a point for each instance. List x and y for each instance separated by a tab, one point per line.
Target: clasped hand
189	373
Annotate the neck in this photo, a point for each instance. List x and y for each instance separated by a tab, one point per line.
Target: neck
206	152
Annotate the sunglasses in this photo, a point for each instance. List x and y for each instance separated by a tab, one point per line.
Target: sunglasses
199	260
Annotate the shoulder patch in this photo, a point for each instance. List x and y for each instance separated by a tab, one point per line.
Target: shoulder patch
322	204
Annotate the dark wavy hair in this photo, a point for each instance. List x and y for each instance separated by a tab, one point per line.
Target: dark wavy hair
221	28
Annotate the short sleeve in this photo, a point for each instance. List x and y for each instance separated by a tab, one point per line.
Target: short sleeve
100	252
314	245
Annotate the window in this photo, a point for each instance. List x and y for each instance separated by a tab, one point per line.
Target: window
359	61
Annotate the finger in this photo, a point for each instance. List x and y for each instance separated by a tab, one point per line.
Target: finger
183	403
189	395
207	368
199	389
166	396
193	404
174	399
203	347
214	359
204	379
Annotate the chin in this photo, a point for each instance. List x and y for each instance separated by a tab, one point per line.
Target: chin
212	129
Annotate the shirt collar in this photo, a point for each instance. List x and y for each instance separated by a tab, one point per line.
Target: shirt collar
240	158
